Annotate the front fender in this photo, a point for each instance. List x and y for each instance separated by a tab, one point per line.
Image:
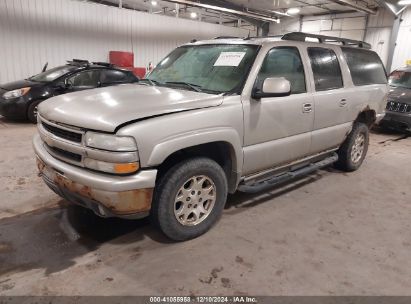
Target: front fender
159	137
175	143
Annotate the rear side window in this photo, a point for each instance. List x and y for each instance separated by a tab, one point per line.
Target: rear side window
365	66
89	78
326	69
113	76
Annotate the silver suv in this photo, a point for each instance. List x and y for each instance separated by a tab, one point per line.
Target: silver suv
212	118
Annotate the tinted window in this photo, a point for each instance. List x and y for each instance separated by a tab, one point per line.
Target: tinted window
365	66
284	62
112	76
326	69
89	78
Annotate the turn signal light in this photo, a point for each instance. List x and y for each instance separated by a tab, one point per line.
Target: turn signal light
126	168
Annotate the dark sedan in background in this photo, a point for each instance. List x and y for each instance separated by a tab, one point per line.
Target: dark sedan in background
19	99
398	109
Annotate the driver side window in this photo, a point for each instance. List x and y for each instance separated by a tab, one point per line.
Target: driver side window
85	79
283	62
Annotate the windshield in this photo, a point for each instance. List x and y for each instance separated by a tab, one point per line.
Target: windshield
400	79
206	68
53	74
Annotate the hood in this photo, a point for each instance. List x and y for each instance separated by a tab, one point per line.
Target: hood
104	109
19	84
399	94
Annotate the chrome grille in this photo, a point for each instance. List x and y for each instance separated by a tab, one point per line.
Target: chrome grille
65	143
68	135
400	107
65	154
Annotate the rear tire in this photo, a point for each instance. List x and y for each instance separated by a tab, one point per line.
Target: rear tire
354	149
32	111
189	198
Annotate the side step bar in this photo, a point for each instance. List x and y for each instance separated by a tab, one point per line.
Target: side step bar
286	176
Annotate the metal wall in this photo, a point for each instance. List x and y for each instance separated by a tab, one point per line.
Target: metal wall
402	51
378	32
33	32
351	26
374	29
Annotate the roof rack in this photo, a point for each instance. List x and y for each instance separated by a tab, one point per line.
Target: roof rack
262	37
106	64
78	62
299	36
227	37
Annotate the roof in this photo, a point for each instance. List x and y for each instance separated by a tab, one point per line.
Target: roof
86	64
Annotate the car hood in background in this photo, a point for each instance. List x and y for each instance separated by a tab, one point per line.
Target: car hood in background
105	109
399	94
19	84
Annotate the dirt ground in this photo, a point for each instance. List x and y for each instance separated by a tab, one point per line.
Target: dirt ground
330	233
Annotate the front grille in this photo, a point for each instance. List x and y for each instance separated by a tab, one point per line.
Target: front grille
65	154
72	136
400	107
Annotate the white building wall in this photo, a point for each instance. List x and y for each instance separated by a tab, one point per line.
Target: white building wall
351	26
402	50
378	32
373	29
287	25
33	32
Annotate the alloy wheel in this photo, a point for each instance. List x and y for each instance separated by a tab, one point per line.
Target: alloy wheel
357	149
195	200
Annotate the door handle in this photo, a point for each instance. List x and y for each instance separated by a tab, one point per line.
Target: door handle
343	102
307	107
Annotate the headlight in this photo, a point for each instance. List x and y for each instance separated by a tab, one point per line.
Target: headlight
16	93
120	168
110	142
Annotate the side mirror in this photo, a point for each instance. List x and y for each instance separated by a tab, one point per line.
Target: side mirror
273	87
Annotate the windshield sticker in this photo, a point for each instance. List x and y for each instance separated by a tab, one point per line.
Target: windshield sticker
229	59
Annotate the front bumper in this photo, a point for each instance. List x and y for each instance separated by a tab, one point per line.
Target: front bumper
107	195
13	108
379	117
399	121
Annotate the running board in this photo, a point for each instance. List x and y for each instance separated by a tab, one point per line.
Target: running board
254	187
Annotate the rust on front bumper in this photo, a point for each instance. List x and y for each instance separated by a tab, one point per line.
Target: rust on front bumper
118	203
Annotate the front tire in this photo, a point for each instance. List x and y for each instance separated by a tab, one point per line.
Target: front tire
354	149
32	111
189	198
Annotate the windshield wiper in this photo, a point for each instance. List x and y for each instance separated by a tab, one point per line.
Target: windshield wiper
194	87
151	82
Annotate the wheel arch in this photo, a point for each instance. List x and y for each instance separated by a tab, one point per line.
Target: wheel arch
223	146
367	116
33	100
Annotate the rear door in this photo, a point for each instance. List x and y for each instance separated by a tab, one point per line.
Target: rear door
330	99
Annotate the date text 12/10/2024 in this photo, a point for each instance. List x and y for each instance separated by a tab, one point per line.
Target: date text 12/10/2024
204	299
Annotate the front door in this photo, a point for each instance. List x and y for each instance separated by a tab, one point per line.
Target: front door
83	80
277	130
